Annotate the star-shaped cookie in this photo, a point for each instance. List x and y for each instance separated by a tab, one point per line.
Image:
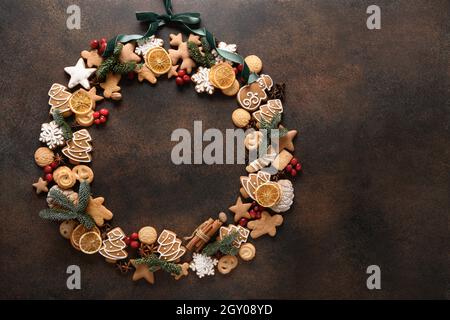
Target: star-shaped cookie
240	210
142	272
286	141
93	94
173	72
41	186
79	74
266	225
92	57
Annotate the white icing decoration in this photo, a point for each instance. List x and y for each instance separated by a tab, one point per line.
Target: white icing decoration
287	196
201	80
79	74
52	135
203	265
144	45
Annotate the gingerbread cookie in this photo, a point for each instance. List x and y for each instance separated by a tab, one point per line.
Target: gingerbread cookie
92	57
182	52
227	264
113	248
268	111
240	210
110	85
44	156
170	248
144	73
247	251
242	234
286	141
64	177
78	149
184	271
98	211
83	173
253	181
251	95
59	98
266	225
142	272
147	235
127	54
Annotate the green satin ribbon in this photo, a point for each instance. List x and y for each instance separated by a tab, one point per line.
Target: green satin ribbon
185	20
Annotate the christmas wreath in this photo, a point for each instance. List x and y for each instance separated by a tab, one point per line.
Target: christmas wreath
212	66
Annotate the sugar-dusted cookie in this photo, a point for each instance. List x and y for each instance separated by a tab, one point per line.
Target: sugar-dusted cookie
79	74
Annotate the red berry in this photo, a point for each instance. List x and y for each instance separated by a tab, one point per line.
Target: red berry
97	121
102	119
235	70
240	67
104	112
131	75
48	169
294	161
94	44
96	115
49	177
243	222
103	40
181	73
179	81
256	208
298	167
186	78
134	236
134	244
293	172
102	48
252	213
127	240
54	164
288	168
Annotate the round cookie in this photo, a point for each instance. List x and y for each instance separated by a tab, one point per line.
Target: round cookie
240	117
86	120
64	177
233	90
254	63
83	172
147	235
247	251
226	264
44	156
66	228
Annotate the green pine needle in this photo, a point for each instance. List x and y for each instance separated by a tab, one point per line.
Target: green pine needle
64	208
205	58
153	263
61	122
225	246
113	64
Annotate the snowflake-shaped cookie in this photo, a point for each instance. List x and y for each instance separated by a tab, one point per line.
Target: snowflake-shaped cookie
201	80
224	46
144	45
203	265
52	135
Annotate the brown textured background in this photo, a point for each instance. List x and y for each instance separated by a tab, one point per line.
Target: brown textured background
370	107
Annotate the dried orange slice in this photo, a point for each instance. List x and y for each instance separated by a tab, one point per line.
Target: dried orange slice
268	194
158	61
90	242
80	103
78	232
222	75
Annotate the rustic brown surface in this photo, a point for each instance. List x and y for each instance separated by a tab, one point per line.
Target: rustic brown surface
370	108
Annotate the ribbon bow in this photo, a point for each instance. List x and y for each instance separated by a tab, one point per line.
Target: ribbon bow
186	20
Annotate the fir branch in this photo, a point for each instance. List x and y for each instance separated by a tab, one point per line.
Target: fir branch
61	122
225	245
55	214
205	58
64	209
153	263
272	129
113	64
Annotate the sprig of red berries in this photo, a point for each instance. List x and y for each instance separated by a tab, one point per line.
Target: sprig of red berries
48	171
100	117
182	78
132	240
100	45
294	167
255	214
